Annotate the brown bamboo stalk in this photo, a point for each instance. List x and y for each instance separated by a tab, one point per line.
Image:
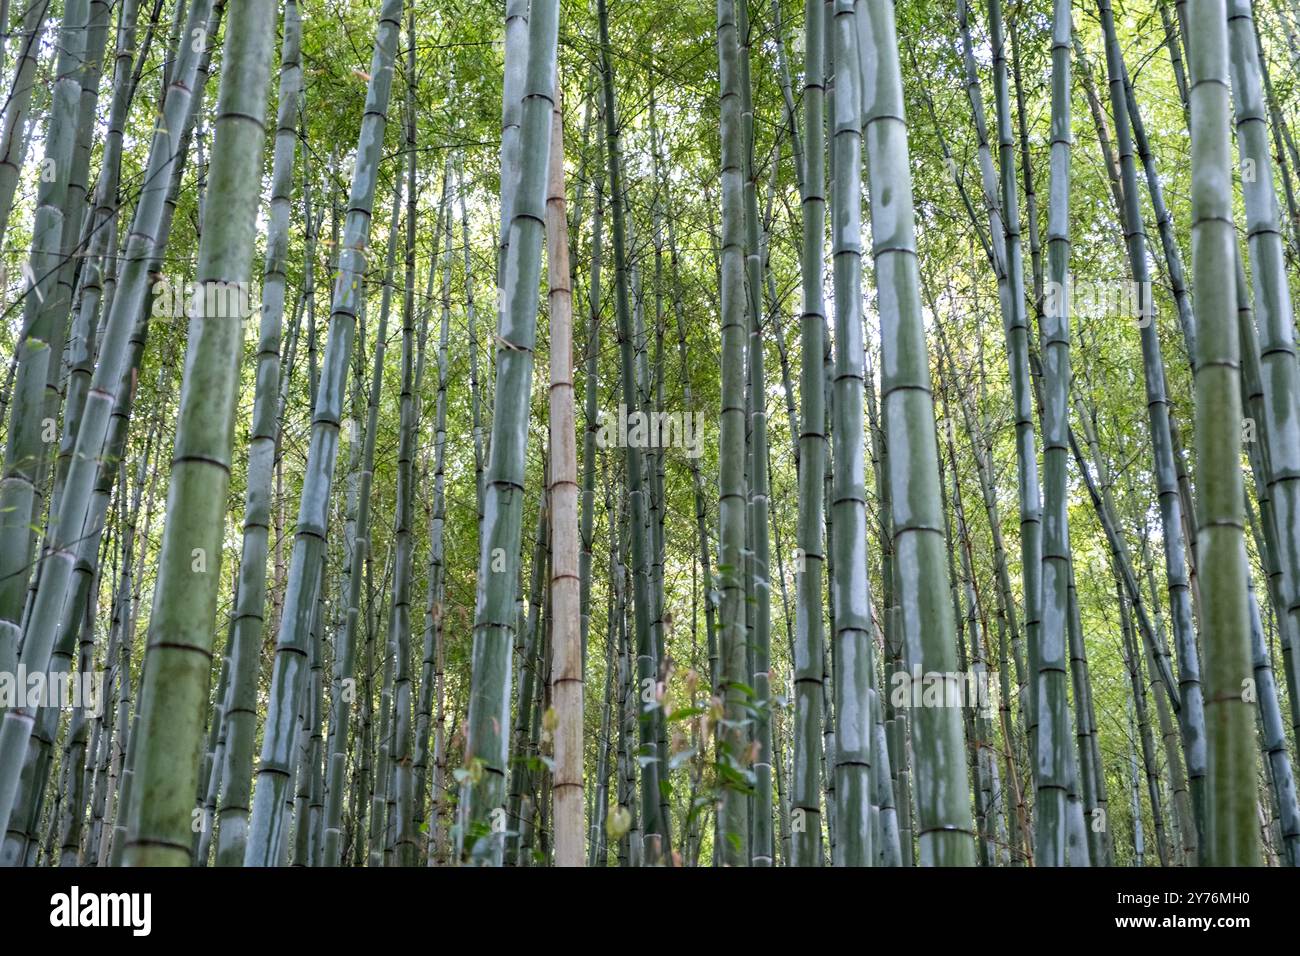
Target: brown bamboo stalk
566	666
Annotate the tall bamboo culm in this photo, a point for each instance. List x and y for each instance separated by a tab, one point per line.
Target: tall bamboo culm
147	227
250	604
174	693
267	826
566	641
1231	833
1051	706
733	819
805	796
482	822
943	818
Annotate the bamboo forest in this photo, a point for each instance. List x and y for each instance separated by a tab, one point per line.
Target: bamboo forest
644	433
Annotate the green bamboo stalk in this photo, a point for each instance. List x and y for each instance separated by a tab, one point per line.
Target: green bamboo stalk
435	584
250	604
13	143
1008	623
399	618
118	659
1278	369
115	679
733	822
1133	664
1191	713
761	849
853	671
1230	833
487	744
895	717
591	401
658	505
267	825
1273	738
381	796
36	767
1184	818
73	242
39	351
1288	157
384	740
697	477
53	314
476	411
528	649
1164	221
1002	245
1050	701
943	814
128	304
514	85
176	674
210	768
1091	772
597	845
103	235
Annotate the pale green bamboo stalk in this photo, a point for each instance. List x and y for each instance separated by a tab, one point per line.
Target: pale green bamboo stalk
176	672
1278	369
733	822
399	617
697	477
118	678
1091	772
128	305
853	671
1273	738
659	507
267	825
651	845
37	764
363	545
73	241
598	844
437	569
1050	702
475	402
591	401
250	603
1002	246
1135	791
210	768
528	651
1191	712
943	819
54	315
1133	664
1183	816
759	580
435	510
13	142
109	727
487	744
39	351
102	233
1164	220
361	439
1231	836
514	80
379	797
